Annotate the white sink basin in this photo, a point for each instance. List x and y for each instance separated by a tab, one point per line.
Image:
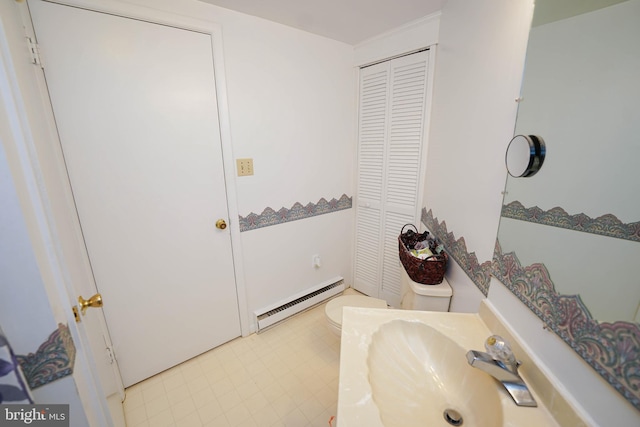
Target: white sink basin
416	374
404	368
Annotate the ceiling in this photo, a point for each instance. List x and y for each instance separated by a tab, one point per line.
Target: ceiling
348	21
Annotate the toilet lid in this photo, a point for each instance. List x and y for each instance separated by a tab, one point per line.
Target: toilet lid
333	309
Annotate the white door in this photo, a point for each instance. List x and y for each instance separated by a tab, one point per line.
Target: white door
391	157
136	110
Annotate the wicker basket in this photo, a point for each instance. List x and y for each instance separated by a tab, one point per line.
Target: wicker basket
429	271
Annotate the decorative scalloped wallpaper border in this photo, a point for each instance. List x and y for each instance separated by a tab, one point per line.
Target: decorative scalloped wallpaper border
53	360
480	274
605	225
270	217
612	349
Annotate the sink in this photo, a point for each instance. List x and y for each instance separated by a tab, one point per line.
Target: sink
405	368
416	373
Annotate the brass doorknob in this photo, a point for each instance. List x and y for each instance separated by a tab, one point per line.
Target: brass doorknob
221	224
94	301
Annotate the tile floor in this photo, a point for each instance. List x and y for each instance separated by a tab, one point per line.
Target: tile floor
285	376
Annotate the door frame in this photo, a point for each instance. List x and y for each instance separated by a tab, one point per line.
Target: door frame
214	30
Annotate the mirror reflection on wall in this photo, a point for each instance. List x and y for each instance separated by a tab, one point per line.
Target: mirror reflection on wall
574	227
580	93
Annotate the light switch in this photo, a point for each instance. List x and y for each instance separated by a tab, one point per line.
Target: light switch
245	167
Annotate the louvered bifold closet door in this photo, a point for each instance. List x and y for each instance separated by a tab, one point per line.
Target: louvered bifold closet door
372	135
408	81
391	129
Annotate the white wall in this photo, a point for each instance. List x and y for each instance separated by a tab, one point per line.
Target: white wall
279	261
292	108
480	58
291	102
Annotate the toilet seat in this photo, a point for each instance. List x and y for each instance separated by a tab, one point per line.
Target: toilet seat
333	309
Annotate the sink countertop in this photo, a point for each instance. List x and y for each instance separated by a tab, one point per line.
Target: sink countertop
356	407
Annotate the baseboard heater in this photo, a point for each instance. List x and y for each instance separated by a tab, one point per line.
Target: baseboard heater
273	314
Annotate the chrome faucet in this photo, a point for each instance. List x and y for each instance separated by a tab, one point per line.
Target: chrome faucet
503	367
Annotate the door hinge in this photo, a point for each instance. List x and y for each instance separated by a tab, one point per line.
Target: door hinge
110	353
34	51
112	356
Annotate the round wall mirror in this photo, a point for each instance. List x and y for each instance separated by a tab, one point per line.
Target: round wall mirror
525	155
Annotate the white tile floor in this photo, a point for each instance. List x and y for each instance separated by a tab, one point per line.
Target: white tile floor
284	376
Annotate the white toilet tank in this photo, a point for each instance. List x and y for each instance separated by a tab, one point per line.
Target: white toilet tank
416	296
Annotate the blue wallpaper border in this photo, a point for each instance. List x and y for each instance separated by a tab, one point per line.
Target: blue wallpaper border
480	274
612	349
270	217
53	360
606	225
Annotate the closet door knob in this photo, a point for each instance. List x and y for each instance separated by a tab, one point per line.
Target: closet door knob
221	224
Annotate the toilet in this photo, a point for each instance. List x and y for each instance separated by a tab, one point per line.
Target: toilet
333	309
414	296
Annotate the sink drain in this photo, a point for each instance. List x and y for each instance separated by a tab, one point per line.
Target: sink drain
453	417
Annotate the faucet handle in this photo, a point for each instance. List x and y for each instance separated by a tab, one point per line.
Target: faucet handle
500	349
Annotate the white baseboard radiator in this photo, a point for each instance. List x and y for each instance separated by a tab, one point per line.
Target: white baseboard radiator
272	314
